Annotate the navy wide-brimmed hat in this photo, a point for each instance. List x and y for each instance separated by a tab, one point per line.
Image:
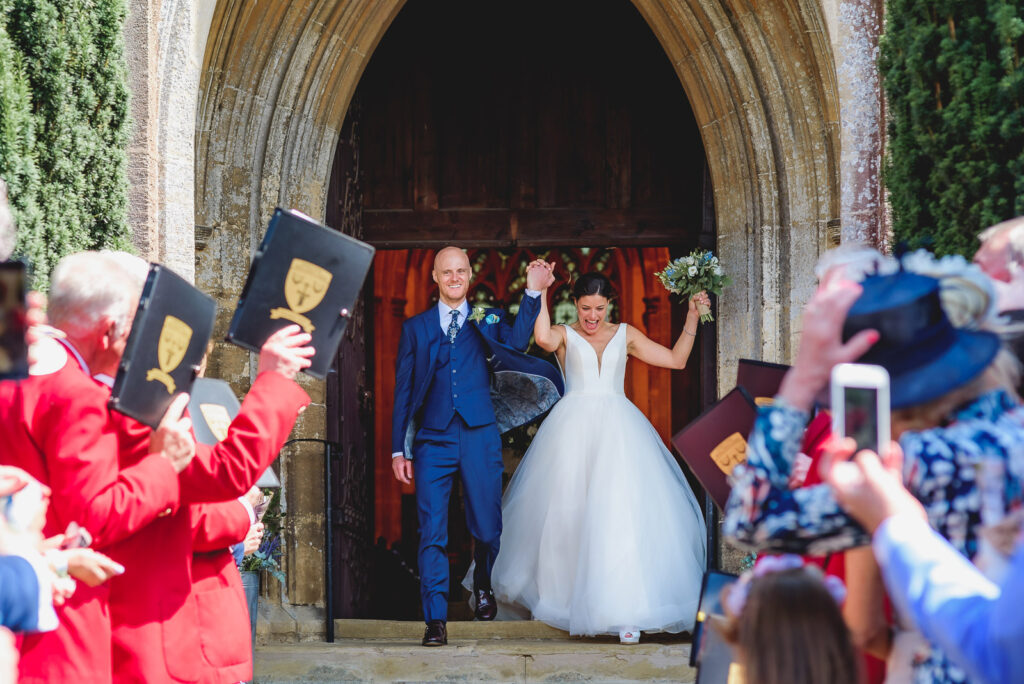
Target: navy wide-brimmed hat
926	356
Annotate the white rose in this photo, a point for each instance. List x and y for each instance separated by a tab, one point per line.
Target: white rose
692	271
717	270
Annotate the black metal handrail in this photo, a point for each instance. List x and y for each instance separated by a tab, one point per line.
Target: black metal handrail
328	531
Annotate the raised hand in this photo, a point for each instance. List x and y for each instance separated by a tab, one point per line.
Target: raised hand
286	352
864	486
173	437
697	299
821	342
540	275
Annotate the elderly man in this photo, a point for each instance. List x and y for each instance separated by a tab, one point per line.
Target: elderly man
1001	256
161	628
56	426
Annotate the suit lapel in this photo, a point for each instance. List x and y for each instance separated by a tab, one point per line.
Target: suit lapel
432	330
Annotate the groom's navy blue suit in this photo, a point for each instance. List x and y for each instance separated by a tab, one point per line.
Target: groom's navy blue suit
444	386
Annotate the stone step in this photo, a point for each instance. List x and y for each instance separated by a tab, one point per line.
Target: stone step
468	659
403	630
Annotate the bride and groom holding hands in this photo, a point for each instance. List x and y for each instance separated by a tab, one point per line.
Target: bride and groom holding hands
599	532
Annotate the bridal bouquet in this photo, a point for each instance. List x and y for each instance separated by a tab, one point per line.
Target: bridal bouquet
691	274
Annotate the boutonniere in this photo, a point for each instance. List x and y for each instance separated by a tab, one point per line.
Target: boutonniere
478	314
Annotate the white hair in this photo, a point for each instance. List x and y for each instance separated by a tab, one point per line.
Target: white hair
7	226
856	260
1014	231
87	287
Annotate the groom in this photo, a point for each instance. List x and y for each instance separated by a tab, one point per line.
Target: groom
444	419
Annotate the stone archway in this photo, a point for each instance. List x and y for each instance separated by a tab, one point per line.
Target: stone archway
276	84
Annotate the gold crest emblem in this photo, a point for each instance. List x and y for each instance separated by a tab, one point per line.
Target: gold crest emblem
170	350
730	453
304	288
217	418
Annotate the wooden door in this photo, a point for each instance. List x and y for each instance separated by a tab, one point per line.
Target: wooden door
350	403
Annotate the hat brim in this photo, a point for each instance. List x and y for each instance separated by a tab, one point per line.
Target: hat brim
961	362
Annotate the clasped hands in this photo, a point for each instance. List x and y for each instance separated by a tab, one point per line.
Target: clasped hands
540	275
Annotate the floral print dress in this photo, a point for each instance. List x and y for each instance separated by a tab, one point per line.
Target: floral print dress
940	469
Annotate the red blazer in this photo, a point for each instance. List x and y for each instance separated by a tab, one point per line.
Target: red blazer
153	611
224	629
56	426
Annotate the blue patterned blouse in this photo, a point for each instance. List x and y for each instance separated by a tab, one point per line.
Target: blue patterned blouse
940	467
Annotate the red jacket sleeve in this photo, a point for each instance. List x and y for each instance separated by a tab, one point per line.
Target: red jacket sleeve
216	526
80	447
230	468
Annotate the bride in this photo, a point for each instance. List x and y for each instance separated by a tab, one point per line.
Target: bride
602	533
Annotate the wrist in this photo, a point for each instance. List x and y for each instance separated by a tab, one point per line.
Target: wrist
799	388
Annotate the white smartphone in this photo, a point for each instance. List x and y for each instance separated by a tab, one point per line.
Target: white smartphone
860	405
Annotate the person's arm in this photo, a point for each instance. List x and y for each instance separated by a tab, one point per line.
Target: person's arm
539	276
639	346
764	514
402	408
255	437
548	337
22	597
217	526
977	624
864	608
80	447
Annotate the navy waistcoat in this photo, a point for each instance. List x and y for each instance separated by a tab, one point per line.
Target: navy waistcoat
461	383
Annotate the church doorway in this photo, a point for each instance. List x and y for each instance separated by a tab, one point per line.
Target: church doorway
515	130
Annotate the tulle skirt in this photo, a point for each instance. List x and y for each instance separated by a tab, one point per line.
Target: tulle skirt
601	531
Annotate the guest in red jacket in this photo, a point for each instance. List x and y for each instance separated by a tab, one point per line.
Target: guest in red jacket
56	426
224	628
154	614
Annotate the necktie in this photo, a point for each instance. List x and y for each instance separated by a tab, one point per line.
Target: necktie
453	327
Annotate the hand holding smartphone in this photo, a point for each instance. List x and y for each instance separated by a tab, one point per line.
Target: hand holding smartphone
860	405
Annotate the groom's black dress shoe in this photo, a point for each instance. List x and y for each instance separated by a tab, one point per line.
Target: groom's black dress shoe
436	634
486	606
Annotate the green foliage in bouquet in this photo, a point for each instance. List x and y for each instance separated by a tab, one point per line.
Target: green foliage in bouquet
64	121
699	271
954	83
268	555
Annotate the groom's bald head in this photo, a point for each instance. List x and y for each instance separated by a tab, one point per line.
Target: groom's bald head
452	274
448	253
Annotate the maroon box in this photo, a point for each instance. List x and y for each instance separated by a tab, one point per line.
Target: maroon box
761	379
716	441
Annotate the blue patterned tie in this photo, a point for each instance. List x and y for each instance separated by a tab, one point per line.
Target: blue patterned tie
453	327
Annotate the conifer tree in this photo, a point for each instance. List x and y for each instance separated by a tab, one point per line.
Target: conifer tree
955	86
71	55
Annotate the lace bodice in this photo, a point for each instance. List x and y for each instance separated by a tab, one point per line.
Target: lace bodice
582	371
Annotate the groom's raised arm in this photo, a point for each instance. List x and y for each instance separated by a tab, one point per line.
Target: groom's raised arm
518	334
400	414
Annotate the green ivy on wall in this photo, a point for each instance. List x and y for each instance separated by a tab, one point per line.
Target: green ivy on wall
65	126
952	73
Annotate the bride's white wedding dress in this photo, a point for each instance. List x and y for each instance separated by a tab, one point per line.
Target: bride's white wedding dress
601	531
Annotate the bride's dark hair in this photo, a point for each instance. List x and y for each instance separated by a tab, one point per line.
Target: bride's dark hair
593	284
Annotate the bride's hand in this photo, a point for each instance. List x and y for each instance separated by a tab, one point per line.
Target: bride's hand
540	275
699	298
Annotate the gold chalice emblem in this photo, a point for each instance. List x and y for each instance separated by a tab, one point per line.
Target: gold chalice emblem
304	288
170	350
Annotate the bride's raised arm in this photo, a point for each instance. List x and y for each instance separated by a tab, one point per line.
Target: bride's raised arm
647	350
548	337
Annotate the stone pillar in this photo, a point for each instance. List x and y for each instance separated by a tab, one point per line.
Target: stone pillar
863	213
140	47
163	74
